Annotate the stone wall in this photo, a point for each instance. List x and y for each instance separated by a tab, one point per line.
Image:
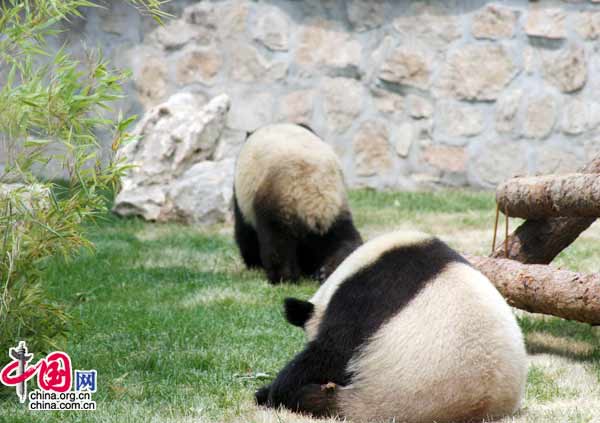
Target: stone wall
410	93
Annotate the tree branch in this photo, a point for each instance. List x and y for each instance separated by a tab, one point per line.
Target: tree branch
544	289
540	241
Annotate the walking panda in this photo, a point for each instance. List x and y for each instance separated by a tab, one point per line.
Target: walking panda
404	330
290	204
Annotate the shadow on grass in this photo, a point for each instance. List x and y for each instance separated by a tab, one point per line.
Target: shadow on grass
573	340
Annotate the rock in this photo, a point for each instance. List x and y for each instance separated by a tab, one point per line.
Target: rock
553	159
297	107
388	103
203	193
459	120
506	110
495	162
405	134
592	146
424	131
430	24
115	18
575	117
198	65
566	69
218	20
593	114
426	180
446	158
540	116
588	24
204	15
147	202
531	59
494	22
175	34
151	81
250	111
176	132
365	15
233	18
419	107
249	66
377	57
230	143
371	146
322	44
342	102
272	29
174	138
406	66
476	72
546	22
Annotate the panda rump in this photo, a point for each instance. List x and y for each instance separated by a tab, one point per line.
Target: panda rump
406	329
290	203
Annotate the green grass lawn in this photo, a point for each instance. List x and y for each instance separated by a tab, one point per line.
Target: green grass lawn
178	330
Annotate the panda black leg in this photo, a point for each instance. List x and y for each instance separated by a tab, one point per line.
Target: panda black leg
246	239
278	251
316	399
304	385
262	395
338	243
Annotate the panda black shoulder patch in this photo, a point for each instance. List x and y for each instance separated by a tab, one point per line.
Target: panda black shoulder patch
376	293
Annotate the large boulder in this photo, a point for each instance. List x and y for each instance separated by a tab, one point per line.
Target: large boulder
175	175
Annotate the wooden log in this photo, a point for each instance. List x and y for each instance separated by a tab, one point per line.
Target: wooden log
544	289
571	195
539	241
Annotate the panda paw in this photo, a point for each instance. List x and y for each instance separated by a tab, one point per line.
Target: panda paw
262	395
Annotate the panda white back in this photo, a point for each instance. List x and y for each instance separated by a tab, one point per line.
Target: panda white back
454	351
415	334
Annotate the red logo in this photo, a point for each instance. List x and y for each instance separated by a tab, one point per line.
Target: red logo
53	371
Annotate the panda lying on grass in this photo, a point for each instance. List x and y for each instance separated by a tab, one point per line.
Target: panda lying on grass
290	204
404	330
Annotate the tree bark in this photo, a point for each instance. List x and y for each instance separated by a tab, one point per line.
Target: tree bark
544	289
573	195
540	241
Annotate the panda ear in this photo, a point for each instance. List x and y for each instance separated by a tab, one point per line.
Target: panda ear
307	127
297	312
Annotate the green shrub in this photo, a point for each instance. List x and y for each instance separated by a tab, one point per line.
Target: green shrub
51	108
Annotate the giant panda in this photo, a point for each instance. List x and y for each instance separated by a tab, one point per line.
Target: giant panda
290	204
404	330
